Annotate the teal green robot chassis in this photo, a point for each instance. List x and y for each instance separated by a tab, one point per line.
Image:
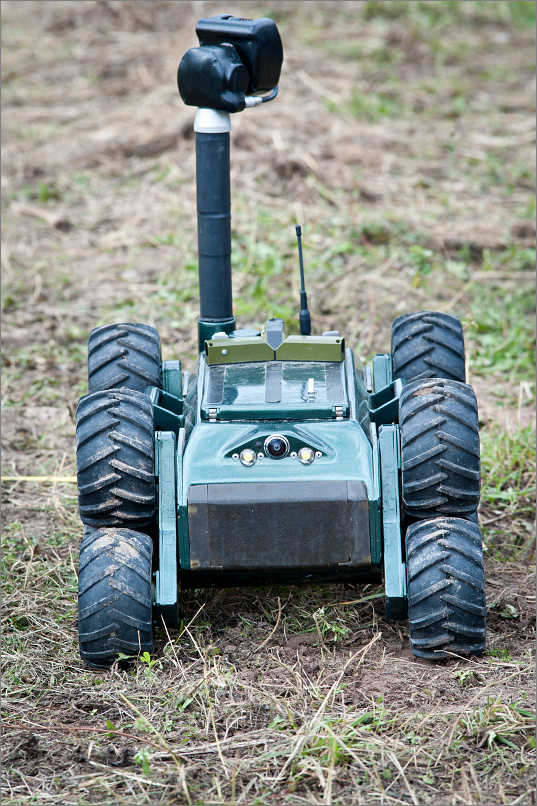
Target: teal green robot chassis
277	458
313	512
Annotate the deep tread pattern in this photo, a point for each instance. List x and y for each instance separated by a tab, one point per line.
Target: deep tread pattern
428	345
114	595
115	459
440	456
446	588
125	355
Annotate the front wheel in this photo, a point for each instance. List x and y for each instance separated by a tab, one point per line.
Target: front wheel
428	344
124	356
446	588
114	595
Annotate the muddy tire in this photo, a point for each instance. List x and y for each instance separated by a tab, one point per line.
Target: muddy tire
446	588
440	458
124	356
115	459
114	596
428	345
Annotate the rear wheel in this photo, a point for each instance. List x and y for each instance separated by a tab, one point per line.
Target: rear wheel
125	355
115	459
114	595
428	345
440	457
446	588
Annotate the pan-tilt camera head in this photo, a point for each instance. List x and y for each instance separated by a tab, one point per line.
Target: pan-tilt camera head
237	62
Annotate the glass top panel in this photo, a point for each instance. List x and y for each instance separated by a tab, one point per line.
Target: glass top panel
273	382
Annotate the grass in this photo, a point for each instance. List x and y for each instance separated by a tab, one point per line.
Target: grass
509	468
439	14
320	732
415	192
508	492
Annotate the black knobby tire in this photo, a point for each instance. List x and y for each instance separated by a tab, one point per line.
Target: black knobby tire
114	595
440	456
115	459
446	588
125	355
428	345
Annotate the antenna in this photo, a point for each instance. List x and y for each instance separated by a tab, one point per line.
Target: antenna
304	317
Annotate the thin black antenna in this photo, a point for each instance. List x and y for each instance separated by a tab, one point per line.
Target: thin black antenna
304	317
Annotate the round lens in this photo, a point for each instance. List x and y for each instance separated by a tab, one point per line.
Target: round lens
306	456
248	457
276	447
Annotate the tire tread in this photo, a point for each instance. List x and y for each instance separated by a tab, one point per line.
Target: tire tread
125	355
428	344
440	457
114	595
115	459
446	599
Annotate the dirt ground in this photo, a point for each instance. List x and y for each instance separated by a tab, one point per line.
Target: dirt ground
399	141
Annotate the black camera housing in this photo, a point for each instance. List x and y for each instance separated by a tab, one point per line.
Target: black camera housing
236	57
257	42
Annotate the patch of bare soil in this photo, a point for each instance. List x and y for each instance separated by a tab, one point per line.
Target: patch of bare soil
291	695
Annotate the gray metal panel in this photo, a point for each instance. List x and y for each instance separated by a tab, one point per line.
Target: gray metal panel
358	509
198	526
335	390
166	575
215	385
394	568
273	382
266	525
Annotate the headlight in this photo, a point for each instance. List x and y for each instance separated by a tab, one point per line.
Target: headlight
248	457
306	456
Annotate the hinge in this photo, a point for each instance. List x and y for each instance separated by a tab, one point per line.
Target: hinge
338	412
212	415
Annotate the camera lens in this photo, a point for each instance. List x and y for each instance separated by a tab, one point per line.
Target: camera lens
276	446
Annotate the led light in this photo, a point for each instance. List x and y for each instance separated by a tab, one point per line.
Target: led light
235	456
318	454
248	457
306	456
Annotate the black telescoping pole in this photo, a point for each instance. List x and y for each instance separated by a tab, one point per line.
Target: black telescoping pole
214	223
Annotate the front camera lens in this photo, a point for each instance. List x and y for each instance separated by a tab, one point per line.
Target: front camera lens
276	446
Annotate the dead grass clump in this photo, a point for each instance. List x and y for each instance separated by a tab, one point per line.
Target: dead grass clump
403	142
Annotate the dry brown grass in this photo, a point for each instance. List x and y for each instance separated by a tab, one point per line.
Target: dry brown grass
404	145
